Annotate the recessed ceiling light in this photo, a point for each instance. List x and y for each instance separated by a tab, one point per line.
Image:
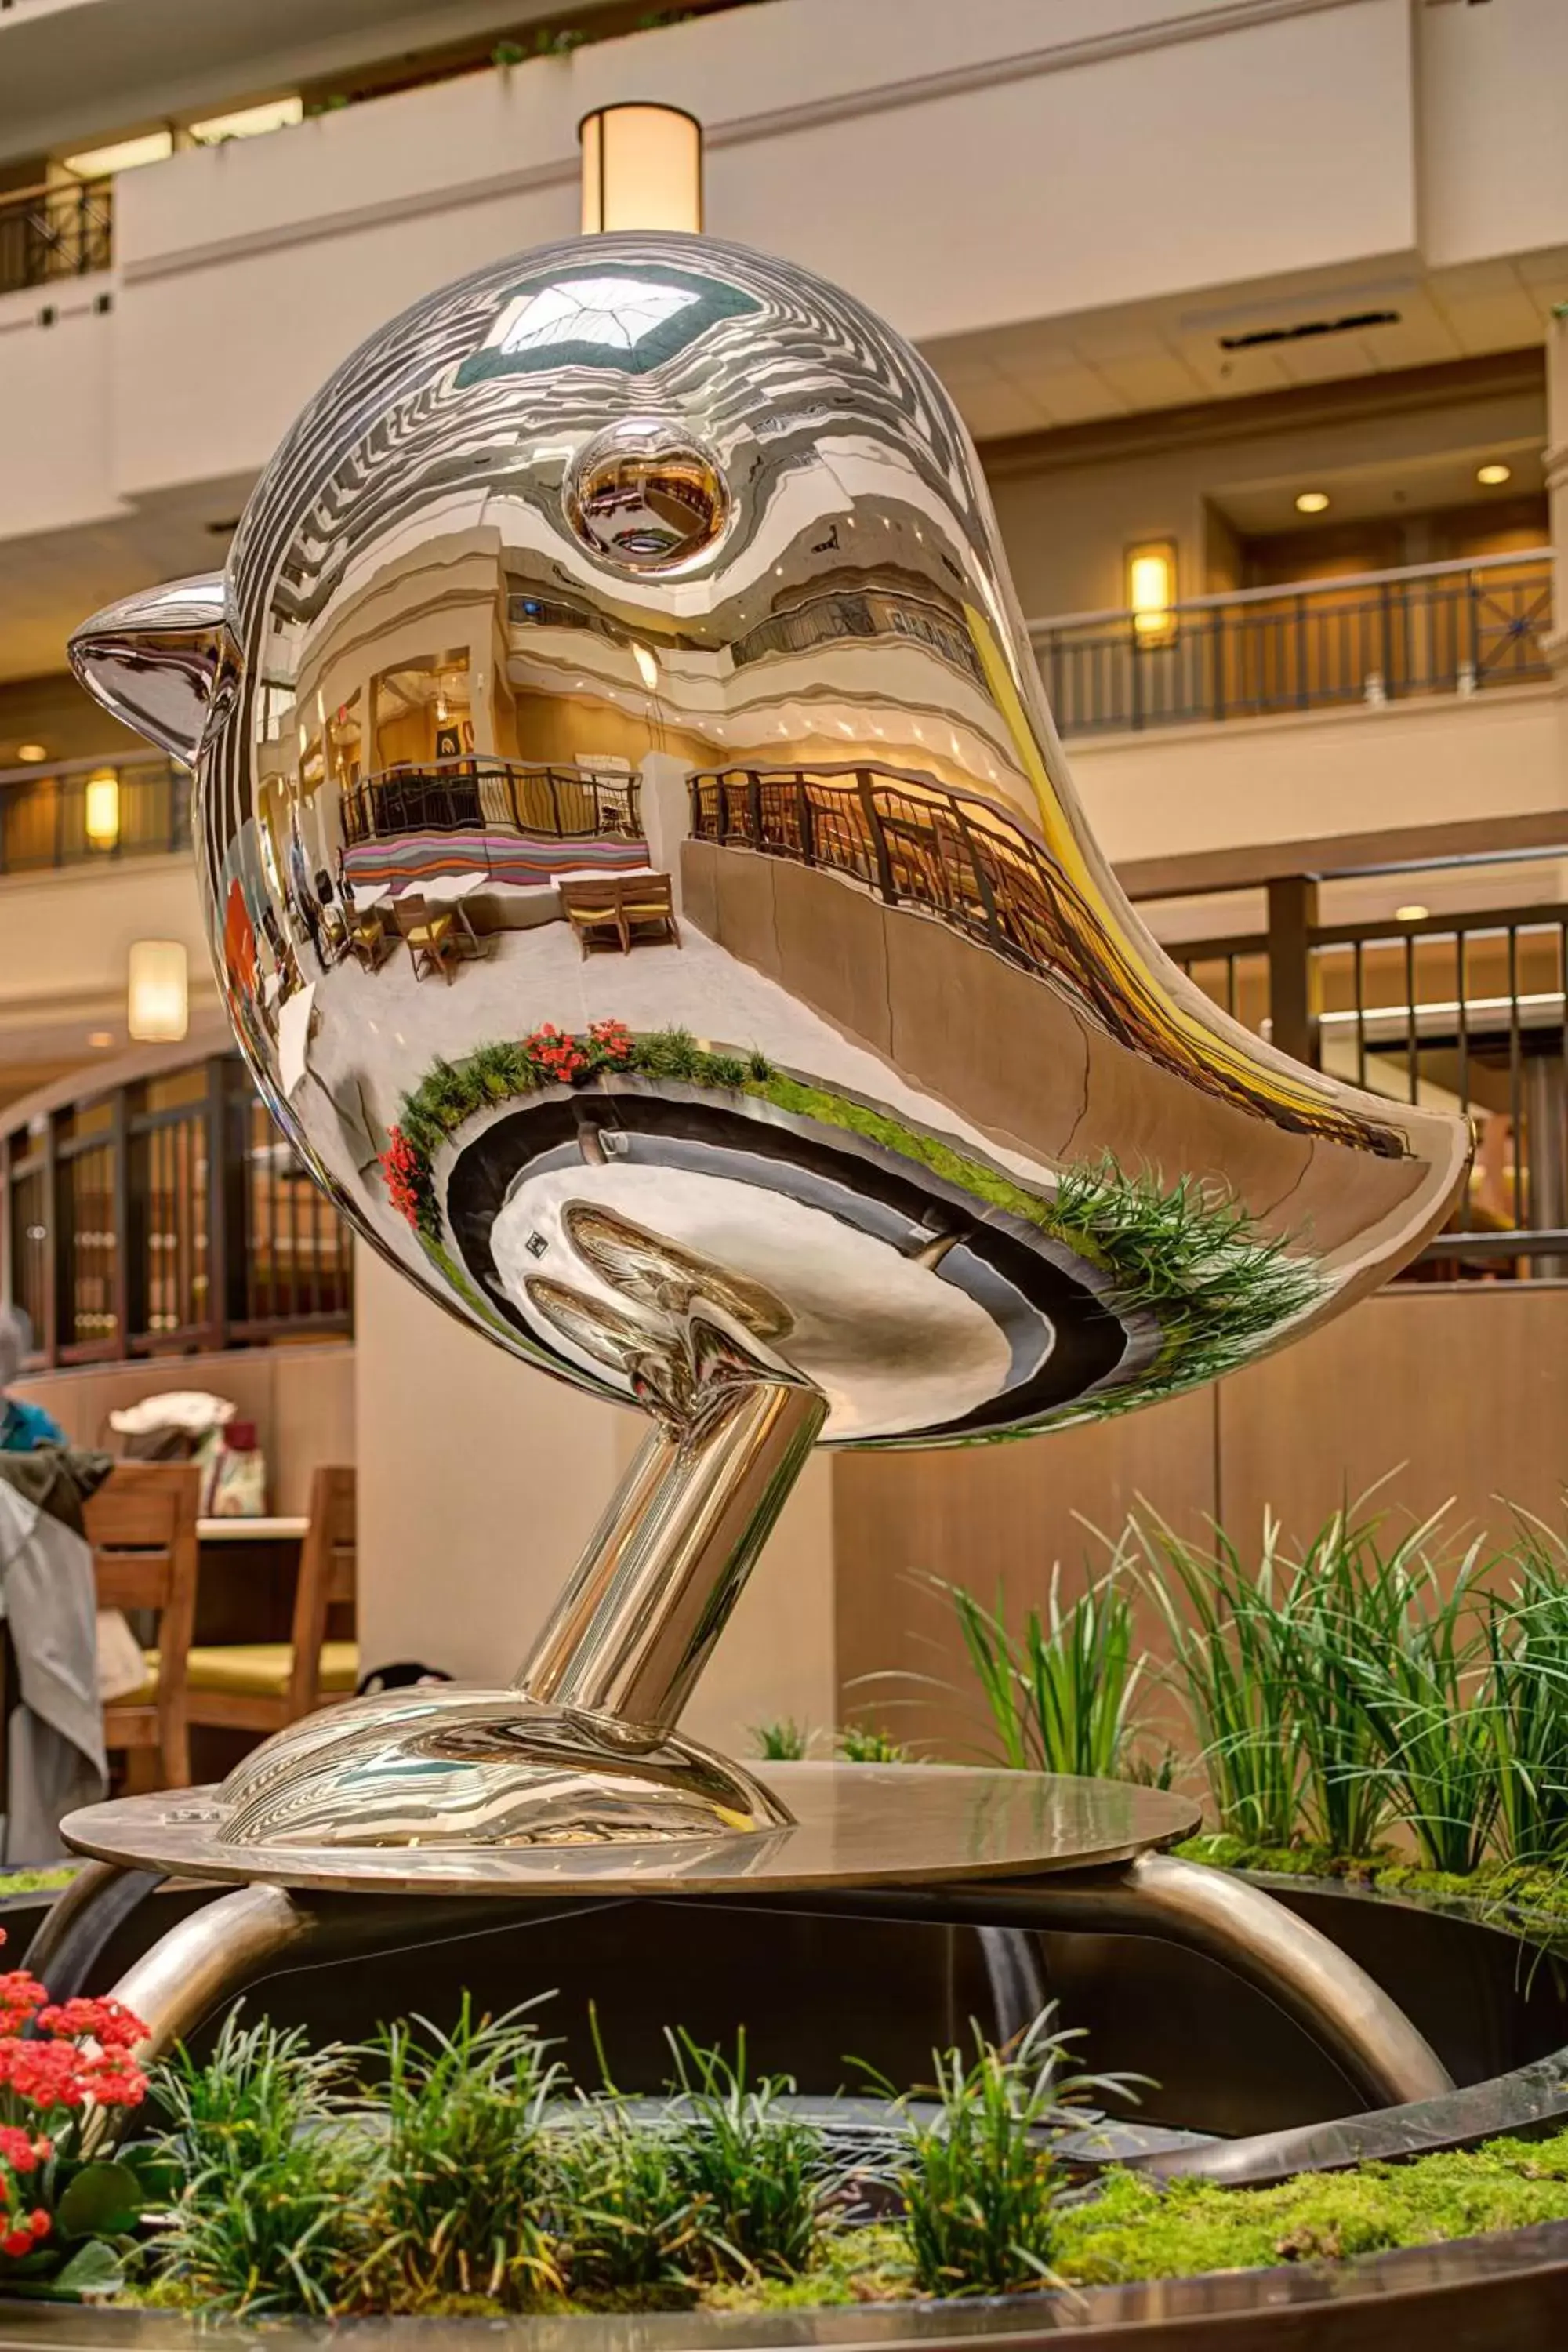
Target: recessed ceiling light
99	1039
1494	473
1411	914
1311	501
32	753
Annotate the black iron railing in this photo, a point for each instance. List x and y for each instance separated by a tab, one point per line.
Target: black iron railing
168	1215
1375	637
1467	1013
473	794
63	231
90	812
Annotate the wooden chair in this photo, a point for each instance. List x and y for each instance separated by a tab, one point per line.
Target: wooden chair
262	1686
593	908
433	941
141	1526
647	903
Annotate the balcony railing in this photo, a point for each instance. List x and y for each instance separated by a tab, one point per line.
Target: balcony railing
1373	637
1467	1012
472	795
55	232
92	812
167	1215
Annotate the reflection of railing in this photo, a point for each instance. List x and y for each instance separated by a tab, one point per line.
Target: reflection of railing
1438	628
913	841
1469	1011
55	232
467	794
87	812
166	1214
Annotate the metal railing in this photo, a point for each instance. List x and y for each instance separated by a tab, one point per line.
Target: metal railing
168	1215
472	795
1468	1012
90	812
66	230
1371	637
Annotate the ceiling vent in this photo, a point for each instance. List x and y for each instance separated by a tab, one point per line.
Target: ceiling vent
1351	324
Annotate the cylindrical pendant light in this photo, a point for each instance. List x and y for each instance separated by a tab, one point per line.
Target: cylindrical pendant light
159	1009
642	168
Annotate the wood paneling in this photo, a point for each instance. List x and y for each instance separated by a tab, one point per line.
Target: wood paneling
1458	1392
301	1398
1439	1392
984	1515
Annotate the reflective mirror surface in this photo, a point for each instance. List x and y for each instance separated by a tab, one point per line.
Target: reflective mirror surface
636	815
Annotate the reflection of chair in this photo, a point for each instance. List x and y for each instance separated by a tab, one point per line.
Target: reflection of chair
593	910
433	941
262	1686
370	940
141	1525
619	905
647	903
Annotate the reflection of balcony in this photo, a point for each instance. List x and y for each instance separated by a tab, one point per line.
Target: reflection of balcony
1374	637
92	812
481	795
55	232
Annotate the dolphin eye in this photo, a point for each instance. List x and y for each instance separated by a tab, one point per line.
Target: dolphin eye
644	494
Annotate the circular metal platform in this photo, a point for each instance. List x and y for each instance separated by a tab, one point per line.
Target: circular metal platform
855	1825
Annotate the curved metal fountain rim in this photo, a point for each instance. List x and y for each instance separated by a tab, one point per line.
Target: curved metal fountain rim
1522	2275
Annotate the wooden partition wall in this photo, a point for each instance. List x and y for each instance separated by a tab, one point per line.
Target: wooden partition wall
1458	1392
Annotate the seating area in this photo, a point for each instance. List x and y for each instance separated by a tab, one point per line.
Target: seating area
612	911
141	1526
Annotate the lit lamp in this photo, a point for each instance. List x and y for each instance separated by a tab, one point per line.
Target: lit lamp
642	168
100	809
1152	591
158	1010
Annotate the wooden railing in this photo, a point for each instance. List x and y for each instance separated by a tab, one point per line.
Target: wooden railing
165	1214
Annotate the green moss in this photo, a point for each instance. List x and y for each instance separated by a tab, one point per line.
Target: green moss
1135	2229
37	1882
1524	1895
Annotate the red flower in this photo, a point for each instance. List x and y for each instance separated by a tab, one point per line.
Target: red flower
20	2152
108	2022
403	1175
559	1058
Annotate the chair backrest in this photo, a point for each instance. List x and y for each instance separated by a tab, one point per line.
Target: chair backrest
141	1526
650	893
328	1571
592	897
409	911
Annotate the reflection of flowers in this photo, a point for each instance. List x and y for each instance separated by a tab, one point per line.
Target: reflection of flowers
451	1092
558	1057
405	1175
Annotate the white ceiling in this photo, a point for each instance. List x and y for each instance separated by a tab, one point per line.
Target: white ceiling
1028	379
74	72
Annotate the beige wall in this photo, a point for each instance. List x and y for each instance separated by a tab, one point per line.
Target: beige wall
481	1481
1458	1393
1070	514
1178	791
65	935
301	1398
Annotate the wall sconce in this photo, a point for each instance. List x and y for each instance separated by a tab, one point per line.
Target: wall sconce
1152	591
642	168
159	1009
100	809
